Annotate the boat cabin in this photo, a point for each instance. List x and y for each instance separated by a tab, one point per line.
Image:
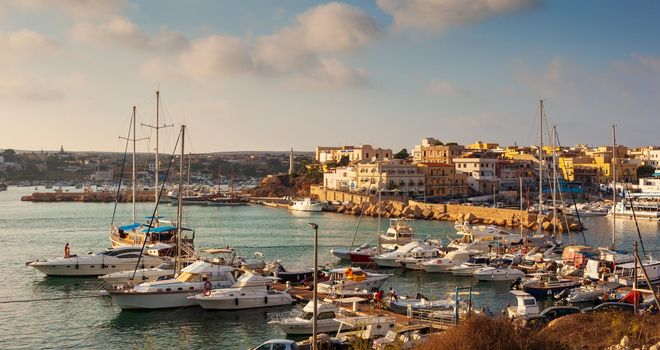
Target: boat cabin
526	305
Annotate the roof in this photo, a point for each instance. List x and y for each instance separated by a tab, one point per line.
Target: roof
159	229
445	165
129	227
520	293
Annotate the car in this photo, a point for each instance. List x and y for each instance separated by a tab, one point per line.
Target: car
533	321
611	306
277	344
555	312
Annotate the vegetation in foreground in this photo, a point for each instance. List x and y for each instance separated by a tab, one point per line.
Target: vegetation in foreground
578	331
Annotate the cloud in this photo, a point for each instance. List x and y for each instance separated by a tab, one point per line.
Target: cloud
78	8
303	50
435	16
443	88
28	89
26	43
121	31
557	78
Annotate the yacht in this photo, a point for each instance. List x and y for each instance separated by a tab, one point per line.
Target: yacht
400	232
350	280
453	258
250	291
302	324
306	204
472	264
544	284
109	261
392	258
343	253
418	256
625	273
164	270
645	206
174	292
498	273
481	238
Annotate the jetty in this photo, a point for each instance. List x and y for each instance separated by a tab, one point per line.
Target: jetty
89	196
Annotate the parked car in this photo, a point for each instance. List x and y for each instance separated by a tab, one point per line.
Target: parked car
555	312
611	306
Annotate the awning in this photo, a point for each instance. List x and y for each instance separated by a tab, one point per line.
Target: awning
159	229
129	227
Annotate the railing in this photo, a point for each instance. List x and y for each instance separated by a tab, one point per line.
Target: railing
281	316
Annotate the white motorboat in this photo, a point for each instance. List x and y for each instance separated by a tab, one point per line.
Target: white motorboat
498	273
250	291
419	256
109	261
346	281
589	292
481	238
400	232
451	259
625	273
585	210
174	292
546	284
302	323
526	305
392	258
472	264
164	270
645	206
306	204
343	253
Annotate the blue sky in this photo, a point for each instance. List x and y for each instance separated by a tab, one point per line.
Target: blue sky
269	75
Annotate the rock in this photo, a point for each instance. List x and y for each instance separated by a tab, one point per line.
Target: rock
427	213
396	213
341	208
407	211
500	222
417	211
469	217
398	206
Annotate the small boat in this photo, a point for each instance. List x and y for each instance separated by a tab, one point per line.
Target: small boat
498	273
589	292
418	257
174	292
472	264
342	253
109	261
401	305
404	337
453	258
392	258
526	305
250	291
164	270
295	277
545	284
400	232
306	204
346	281
302	323
363	256
624	273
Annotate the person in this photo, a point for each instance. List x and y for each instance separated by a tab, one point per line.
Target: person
67	250
392	294
378	296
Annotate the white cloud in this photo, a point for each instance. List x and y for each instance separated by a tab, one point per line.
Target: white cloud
444	88
332	73
27	88
215	55
79	8
26	43
435	16
557	78
121	31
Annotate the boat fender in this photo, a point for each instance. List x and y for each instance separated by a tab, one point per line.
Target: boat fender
236	300
207	292
266	299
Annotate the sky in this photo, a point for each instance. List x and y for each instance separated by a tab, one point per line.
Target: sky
269	75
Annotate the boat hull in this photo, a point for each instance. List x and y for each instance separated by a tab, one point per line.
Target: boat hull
548	291
134	300
361	259
300	328
243	303
384	262
83	270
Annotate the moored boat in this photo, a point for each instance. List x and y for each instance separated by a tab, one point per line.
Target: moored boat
250	291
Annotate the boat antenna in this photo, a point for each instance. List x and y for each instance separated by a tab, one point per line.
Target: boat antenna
153	216
121	174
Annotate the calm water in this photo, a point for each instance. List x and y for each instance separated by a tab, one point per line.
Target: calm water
32	230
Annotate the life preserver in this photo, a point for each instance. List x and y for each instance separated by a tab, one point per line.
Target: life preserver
207	292
207	288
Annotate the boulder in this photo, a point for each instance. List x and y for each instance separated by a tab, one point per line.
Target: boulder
407	211
341	208
500	222
398	206
427	213
396	213
469	217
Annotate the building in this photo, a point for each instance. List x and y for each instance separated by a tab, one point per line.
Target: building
649	185
511	171
481	174
482	146
442	180
393	177
103	175
433	151
341	178
362	153
597	168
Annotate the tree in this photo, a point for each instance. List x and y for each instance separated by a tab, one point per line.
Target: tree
9	155
645	171
436	143
344	161
403	154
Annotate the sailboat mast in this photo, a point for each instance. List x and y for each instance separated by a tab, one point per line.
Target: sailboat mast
133	175
156	167
613	185
188	185
554	179
521	207
179	215
540	166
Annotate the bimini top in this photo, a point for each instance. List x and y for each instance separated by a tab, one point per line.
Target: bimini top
159	229
129	227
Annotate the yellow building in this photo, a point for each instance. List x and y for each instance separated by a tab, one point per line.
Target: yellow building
442	180
482	146
598	167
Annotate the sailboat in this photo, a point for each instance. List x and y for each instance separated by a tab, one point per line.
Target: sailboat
192	279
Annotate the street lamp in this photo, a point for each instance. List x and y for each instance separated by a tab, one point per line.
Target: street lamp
316	256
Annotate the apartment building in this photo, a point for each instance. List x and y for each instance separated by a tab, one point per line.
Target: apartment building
341	178
431	150
442	180
481	174
395	177
362	153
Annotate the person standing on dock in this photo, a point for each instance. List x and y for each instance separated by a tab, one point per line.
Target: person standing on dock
67	250
392	295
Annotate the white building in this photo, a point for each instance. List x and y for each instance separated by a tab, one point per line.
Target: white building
342	178
362	153
393	177
481	173
649	185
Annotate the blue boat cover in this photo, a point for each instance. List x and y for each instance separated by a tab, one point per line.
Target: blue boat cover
129	227
159	229
153	217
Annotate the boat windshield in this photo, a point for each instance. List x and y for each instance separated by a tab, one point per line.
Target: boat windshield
306	315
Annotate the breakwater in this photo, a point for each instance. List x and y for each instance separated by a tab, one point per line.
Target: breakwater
88	196
357	204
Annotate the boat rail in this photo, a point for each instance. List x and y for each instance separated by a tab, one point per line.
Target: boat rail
281	316
431	317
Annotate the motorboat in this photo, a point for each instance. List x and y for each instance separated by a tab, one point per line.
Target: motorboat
250	291
645	205
400	232
345	281
108	261
625	273
472	264
392	258
602	266
174	292
278	271
585	210
526	305
343	253
545	284
498	273
482	238
419	256
302	324
401	305
306	204
453	258
589	292
363	256
403	337
155	230
162	271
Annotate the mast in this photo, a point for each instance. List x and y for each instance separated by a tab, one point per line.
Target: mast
521	207
554	179
133	176
613	185
380	174
179	215
540	167
188	186
157	127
